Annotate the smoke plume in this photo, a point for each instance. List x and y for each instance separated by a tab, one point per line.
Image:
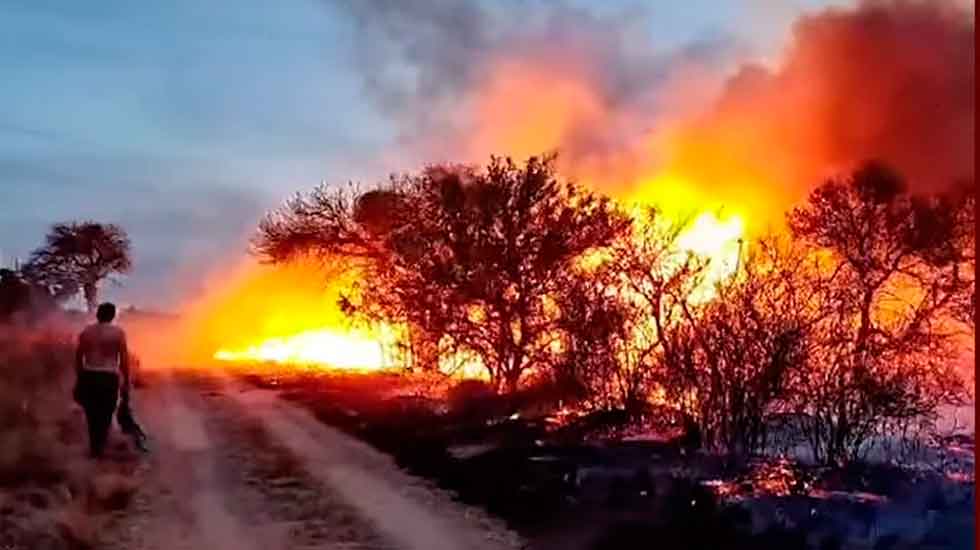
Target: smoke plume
887	80
891	80
465	80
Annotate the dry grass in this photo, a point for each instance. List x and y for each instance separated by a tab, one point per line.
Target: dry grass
35	407
51	496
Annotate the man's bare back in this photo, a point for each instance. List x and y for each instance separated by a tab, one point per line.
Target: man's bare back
102	347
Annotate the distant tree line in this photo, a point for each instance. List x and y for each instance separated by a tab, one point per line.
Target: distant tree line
76	258
842	329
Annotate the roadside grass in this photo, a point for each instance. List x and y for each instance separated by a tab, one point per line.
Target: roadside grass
51	495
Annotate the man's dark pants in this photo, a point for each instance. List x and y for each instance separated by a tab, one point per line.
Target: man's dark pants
97	393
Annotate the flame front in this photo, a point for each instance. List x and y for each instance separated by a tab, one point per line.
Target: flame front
300	324
340	350
295	321
750	146
285	315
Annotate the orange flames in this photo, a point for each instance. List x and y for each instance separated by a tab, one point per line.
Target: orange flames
339	349
285	315
288	315
720	241
286	318
731	165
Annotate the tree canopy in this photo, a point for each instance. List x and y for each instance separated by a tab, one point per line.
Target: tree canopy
468	258
78	256
899	280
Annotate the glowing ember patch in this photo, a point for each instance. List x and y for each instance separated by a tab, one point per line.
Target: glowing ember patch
319	347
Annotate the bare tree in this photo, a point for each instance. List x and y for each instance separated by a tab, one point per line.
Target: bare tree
470	259
657	284
79	256
595	367
897	291
739	354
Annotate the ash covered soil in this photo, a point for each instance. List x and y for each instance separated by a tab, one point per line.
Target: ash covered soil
569	488
234	467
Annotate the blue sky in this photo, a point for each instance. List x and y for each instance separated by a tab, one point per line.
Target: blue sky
185	120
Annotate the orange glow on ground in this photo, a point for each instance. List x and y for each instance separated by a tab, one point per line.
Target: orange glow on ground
284	315
288	317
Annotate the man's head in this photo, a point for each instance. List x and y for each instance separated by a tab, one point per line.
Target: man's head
106	312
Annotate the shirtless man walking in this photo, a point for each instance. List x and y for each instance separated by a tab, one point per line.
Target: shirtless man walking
102	366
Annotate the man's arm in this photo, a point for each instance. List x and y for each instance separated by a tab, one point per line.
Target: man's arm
124	363
80	354
79	364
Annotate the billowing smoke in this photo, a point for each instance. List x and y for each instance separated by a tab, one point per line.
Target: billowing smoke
888	80
464	80
891	80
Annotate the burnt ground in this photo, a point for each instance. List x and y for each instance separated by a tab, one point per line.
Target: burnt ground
559	492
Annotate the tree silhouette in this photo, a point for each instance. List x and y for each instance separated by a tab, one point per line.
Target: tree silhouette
596	368
660	282
79	256
20	300
899	278
14	294
470	259
733	362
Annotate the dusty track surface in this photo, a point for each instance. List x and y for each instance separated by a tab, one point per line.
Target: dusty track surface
237	468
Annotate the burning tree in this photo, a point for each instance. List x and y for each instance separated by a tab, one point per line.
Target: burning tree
900	284
722	351
658	283
595	367
851	322
470	260
734	362
79	256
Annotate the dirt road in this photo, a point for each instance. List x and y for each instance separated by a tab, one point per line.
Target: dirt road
238	468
